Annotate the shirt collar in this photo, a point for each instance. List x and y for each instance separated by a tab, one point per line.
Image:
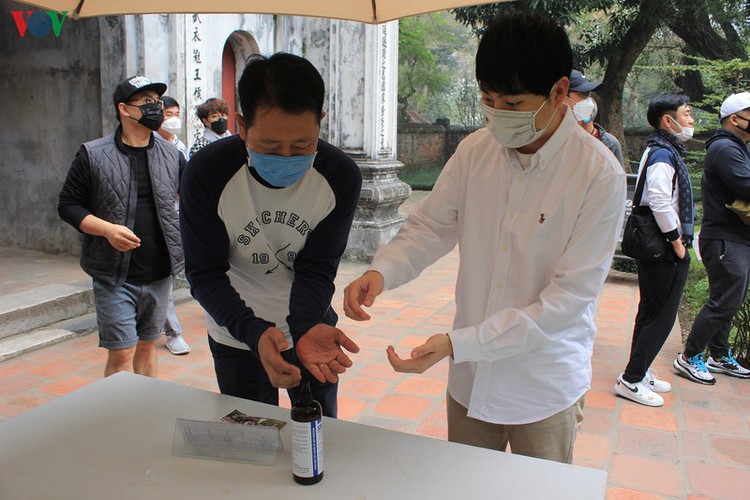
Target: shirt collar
556	141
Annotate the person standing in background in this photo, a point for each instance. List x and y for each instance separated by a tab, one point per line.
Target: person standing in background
724	245
120	194
172	125
213	114
669	195
585	110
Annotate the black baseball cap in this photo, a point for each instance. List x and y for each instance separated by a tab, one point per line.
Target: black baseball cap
579	83
134	84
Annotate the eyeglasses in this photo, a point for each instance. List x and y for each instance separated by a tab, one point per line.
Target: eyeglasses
149	100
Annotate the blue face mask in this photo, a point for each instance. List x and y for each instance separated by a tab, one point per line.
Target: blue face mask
280	171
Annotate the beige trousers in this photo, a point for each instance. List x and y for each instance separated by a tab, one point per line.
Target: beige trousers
551	438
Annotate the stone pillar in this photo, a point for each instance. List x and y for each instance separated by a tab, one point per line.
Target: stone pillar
359	64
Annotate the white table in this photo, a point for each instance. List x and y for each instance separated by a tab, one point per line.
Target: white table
113	439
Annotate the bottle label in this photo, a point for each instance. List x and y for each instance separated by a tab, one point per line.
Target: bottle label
307	448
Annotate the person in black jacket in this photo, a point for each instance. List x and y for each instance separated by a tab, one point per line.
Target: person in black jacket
724	245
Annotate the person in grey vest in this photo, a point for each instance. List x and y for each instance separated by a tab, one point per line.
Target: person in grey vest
120	195
585	110
168	131
668	194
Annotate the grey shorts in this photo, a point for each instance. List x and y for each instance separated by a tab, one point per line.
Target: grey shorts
128	313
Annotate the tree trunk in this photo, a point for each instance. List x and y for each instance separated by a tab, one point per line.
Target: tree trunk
693	25
621	61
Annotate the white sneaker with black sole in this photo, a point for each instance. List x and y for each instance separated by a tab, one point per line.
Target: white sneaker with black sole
728	366
656	384
694	369
640	392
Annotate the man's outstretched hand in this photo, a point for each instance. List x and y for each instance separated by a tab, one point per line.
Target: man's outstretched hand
422	357
320	351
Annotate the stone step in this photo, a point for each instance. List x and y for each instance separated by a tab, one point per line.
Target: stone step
83	324
42	306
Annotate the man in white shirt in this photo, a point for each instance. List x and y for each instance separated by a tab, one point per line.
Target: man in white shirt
535	205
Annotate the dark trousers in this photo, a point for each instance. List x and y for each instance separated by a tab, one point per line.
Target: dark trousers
239	373
660	283
728	268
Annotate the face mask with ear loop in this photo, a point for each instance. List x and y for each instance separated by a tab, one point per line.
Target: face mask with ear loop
515	129
585	111
685	133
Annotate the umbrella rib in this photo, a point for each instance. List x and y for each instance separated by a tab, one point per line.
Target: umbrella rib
77	11
374	10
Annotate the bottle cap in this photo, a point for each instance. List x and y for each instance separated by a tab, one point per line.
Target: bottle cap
305	396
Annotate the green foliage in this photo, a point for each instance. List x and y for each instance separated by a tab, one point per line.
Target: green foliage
425	59
719	77
421	180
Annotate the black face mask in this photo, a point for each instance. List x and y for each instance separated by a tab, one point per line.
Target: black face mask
746	128
219	126
152	116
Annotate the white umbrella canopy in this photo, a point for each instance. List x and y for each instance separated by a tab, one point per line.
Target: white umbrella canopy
366	11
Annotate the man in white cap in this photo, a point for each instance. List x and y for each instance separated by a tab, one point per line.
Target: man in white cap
724	245
585	110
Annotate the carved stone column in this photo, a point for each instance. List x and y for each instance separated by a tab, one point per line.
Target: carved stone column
359	64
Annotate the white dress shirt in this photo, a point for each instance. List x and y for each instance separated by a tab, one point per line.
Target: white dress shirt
535	248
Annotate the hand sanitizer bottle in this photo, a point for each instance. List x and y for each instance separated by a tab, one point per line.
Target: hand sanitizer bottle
307	438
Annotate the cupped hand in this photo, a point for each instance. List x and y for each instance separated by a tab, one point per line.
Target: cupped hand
320	350
423	357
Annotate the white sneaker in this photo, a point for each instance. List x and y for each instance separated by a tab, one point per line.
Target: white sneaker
655	384
639	392
727	365
177	345
694	369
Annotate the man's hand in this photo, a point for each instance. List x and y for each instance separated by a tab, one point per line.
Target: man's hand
362	291
436	348
281	373
679	248
320	351
122	238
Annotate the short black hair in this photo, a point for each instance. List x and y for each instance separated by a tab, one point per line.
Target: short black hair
663	104
283	80
169	102
523	54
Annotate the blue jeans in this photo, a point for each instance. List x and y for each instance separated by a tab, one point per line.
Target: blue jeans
239	373
172	326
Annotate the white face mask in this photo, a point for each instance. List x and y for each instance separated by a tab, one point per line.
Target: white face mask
685	133
585	110
172	125
514	129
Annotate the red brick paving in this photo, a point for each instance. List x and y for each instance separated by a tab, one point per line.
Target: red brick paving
695	447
